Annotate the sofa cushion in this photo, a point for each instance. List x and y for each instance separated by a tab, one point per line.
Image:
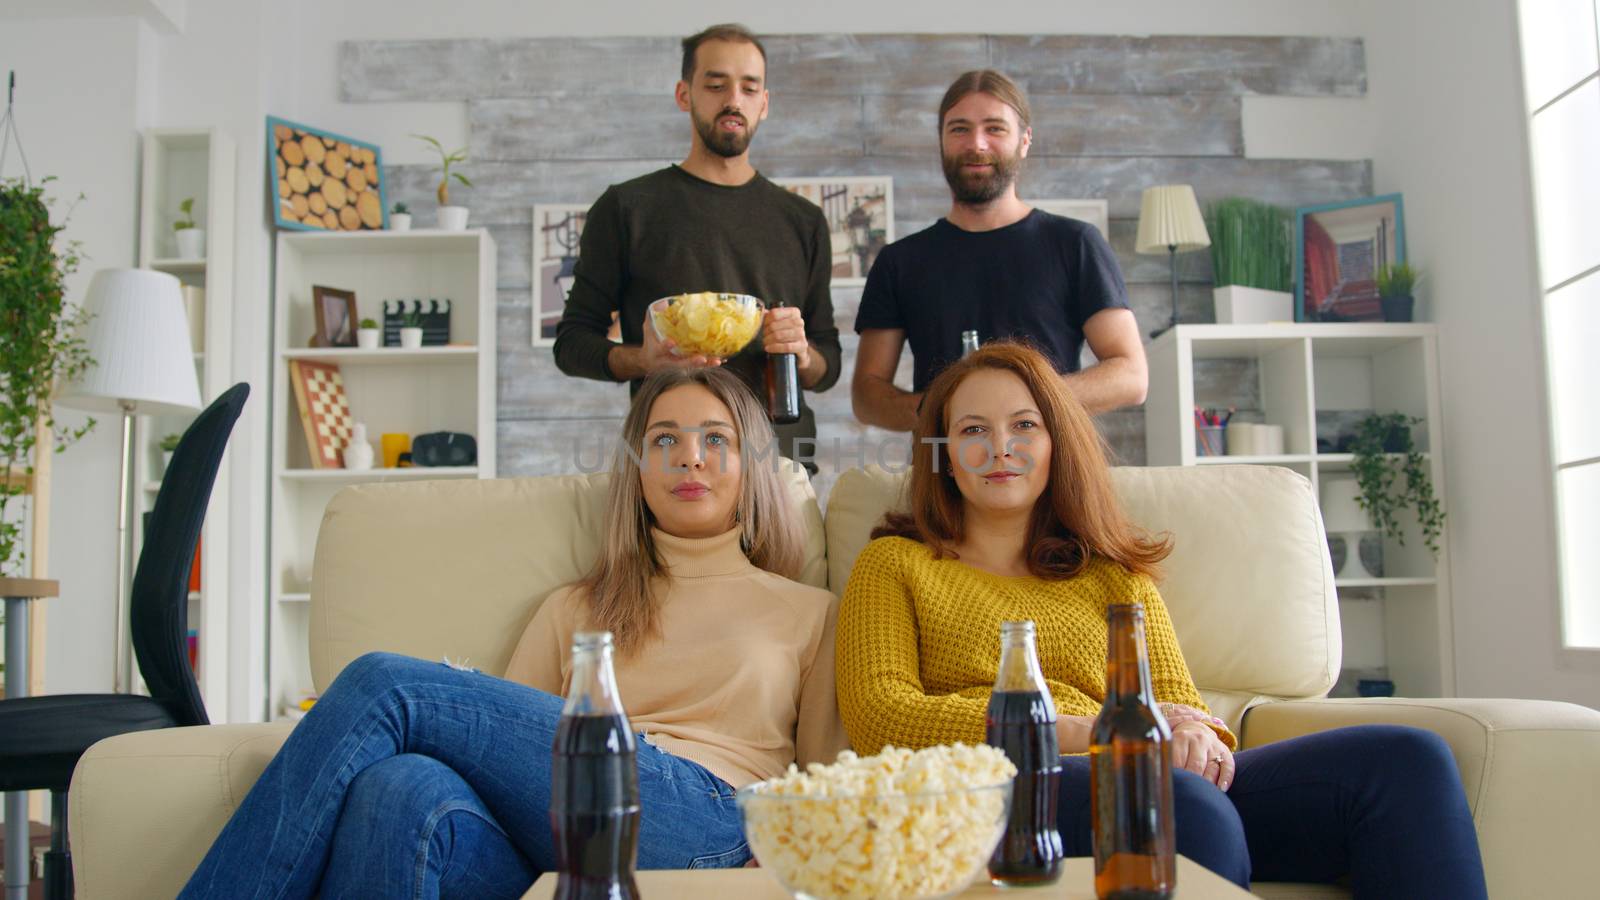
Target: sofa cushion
1249	584
457	567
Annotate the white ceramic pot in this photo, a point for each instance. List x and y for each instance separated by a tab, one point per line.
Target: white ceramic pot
166	460
410	338
453	218
192	243
399	221
1238	305
368	338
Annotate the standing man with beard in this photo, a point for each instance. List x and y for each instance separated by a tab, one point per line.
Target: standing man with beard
712	223
997	266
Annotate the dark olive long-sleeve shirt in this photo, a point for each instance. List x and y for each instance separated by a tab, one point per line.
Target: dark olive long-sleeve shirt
672	233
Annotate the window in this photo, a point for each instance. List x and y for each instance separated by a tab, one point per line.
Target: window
1561	73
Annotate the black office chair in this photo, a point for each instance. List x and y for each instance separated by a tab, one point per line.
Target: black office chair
42	738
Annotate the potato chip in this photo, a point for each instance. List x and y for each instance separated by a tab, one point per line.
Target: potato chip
707	323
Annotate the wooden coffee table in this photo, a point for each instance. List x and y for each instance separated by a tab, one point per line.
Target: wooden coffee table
1076	883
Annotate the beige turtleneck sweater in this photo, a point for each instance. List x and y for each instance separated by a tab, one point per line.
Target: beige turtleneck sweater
740	678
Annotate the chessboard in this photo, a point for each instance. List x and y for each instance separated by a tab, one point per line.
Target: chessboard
324	411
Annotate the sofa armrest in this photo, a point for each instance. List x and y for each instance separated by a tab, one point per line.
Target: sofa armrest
1528	767
146	806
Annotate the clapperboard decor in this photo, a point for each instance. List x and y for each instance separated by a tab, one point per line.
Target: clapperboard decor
435	315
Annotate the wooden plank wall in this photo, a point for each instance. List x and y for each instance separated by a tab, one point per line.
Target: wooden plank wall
556	120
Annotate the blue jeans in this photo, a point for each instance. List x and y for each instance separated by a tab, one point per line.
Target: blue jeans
413	779
1379	805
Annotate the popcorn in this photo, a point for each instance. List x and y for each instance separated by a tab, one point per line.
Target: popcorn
707	323
895	826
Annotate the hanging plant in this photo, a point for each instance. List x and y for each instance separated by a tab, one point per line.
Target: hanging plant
1392	475
39	342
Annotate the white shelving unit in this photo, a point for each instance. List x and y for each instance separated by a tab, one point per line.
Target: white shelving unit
180	164
391	390
1398	624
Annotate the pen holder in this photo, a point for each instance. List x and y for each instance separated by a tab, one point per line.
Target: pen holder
1208	440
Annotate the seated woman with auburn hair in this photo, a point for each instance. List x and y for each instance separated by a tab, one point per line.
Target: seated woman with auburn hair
1015	518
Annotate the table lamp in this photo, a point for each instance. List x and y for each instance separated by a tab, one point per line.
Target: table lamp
1170	220
137	335
1342	514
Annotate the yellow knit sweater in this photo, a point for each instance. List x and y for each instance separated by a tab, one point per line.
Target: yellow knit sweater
919	643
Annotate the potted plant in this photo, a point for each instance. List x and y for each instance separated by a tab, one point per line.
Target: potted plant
169	443
1392	475
369	336
1396	282
400	218
411	331
1251	250
451	218
191	237
40	345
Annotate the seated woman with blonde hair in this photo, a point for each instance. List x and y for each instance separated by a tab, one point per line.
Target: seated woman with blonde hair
1015	518
411	778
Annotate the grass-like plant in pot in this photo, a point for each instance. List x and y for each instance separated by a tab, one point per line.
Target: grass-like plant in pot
1396	284
1251	252
1392	475
40	345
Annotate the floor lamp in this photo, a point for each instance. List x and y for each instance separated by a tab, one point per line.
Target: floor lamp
137	335
1170	221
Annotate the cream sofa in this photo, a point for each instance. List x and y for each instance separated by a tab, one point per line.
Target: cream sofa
454	568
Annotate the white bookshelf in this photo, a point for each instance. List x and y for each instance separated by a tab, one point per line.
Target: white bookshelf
1398	625
390	389
179	164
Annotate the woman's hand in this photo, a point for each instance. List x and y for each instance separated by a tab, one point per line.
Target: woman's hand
1176	714
1197	748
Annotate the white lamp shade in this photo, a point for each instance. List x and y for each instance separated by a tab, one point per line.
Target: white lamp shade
1169	216
1340	511
138	338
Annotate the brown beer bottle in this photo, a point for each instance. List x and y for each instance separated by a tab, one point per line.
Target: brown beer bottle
783	386
1130	773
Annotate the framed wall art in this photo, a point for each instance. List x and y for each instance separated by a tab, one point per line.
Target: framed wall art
1095	212
321	181
557	229
860	214
1339	248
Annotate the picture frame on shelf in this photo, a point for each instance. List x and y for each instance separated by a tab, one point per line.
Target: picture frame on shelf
324	181
557	231
860	215
1338	250
1095	212
336	316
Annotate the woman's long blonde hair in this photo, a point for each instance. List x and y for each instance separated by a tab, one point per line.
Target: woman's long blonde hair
621	588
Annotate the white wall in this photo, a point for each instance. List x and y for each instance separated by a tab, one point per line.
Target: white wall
1452	135
1442	121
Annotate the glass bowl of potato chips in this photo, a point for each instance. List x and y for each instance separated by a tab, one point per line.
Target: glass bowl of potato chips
707	323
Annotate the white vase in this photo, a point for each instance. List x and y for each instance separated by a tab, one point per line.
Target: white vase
368	338
410	338
166	460
453	218
1238	305
192	243
358	453
399	221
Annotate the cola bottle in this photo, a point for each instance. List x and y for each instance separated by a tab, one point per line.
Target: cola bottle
1021	722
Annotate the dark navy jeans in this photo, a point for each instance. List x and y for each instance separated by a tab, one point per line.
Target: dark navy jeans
414	779
1379	805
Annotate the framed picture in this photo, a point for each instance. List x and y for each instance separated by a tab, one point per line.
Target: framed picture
321	181
1338	250
1095	212
336	317
557	229
860	214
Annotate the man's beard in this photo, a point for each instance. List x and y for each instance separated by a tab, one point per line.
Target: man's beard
977	189
727	144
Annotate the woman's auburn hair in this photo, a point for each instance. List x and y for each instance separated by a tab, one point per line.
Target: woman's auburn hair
620	592
1075	519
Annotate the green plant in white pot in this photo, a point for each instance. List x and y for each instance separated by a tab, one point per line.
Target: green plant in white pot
40	345
451	218
191	237
369	335
1251	254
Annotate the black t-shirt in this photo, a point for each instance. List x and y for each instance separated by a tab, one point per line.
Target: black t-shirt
669	232
1038	279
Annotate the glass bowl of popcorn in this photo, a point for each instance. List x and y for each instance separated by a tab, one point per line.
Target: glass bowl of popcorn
707	323
900	825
